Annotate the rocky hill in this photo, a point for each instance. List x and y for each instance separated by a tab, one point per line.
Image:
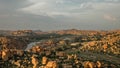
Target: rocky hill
12	43
82	49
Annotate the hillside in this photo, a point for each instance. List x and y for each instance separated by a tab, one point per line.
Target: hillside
63	49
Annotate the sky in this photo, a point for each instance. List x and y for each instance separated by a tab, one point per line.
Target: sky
59	14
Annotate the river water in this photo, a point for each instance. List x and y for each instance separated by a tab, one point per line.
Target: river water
30	45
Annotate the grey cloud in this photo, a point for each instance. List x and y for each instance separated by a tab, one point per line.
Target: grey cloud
59	14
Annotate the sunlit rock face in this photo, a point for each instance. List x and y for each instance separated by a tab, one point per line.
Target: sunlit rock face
51	64
36	49
44	60
23	33
34	61
88	64
88	53
5	55
12	43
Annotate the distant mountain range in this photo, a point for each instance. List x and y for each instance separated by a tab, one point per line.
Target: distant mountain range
61	32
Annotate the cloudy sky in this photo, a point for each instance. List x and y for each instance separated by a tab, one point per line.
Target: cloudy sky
59	14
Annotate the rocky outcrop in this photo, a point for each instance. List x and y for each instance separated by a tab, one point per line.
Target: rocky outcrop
5	55
34	61
44	60
23	33
76	32
51	64
84	51
12	43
